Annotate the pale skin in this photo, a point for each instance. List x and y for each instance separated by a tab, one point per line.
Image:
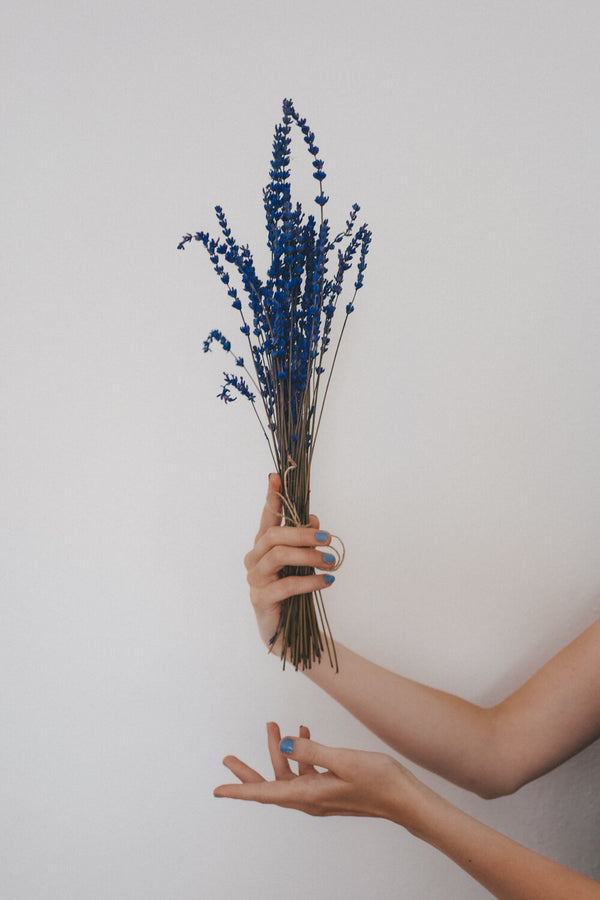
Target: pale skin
491	751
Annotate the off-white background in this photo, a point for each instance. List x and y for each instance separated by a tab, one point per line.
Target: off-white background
459	457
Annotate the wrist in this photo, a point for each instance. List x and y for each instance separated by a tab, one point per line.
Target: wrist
414	806
272	638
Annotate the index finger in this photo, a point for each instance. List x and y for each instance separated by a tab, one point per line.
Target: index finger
272	512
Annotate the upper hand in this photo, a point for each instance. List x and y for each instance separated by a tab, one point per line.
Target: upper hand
275	547
355	783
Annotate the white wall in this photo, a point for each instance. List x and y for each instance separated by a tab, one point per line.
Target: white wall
459	457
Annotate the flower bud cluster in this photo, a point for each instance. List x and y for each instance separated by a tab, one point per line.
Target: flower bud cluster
287	318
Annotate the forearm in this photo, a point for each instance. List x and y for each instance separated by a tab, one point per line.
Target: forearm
507	869
443	733
490	751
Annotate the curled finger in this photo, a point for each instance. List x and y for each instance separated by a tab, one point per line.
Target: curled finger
281	556
290	586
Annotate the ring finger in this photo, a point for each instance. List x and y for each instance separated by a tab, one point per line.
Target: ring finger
276	559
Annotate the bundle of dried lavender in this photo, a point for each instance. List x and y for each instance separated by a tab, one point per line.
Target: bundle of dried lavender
288	332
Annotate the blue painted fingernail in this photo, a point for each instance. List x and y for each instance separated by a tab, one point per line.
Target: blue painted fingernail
321	536
328	558
329	579
287	745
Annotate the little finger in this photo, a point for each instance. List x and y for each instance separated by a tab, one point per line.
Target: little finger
291	586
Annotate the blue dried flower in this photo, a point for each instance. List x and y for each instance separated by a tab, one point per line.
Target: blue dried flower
216	335
225	395
239	384
185	239
287	318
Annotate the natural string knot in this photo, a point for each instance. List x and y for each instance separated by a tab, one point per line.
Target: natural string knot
293	516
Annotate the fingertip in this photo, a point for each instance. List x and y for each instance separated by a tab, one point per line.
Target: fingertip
287	745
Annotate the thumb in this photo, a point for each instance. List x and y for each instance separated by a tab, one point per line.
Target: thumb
272	511
310	752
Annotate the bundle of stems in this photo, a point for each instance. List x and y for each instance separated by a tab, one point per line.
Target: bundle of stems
287	323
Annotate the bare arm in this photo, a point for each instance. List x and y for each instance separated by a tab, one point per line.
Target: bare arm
507	869
437	730
373	784
489	751
493	751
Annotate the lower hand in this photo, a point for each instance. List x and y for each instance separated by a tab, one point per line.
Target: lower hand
355	783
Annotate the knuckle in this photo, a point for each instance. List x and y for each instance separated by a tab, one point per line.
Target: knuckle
272	534
277	555
285	587
255	598
384	769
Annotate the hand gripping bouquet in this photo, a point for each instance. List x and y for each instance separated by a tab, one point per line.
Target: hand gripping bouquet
286	320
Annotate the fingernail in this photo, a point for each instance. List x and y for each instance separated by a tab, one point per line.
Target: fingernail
328	558
219	796
287	745
321	536
329	579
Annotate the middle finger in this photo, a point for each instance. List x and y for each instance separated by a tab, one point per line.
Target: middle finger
277	558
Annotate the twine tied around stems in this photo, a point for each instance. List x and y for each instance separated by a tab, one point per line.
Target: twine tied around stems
292	515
